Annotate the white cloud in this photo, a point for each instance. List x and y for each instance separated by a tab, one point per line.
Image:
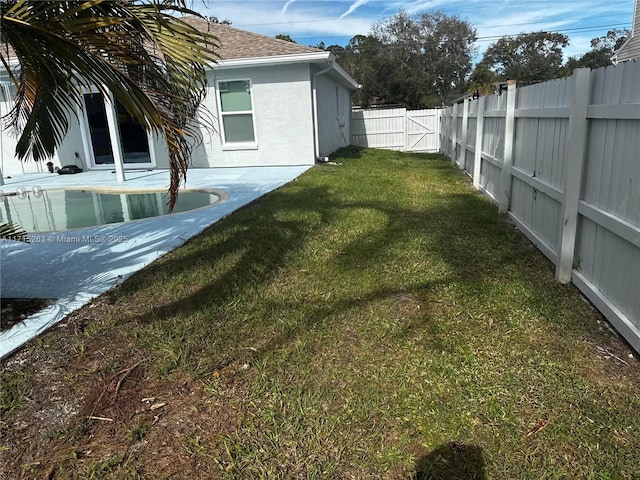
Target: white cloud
308	21
424	5
579	44
327	20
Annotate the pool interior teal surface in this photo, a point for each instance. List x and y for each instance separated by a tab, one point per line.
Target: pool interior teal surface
56	210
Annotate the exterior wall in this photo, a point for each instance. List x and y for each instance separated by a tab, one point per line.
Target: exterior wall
65	155
334	109
9	164
283	118
631	49
283	114
72	145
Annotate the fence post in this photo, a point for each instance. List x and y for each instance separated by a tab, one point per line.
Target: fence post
439	128
477	156
406	131
462	156
441	132
507	159
454	133
577	138
446	140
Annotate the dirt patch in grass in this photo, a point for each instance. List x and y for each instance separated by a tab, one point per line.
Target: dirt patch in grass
84	417
15	310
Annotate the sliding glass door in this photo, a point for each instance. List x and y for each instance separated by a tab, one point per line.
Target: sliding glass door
135	141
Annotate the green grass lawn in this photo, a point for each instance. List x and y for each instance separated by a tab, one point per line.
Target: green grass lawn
375	318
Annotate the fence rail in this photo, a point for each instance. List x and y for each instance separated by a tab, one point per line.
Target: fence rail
396	129
562	158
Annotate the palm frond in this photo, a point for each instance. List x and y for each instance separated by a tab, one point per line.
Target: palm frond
150	60
11	231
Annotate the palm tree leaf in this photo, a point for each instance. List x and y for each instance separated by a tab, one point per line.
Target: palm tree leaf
11	231
151	61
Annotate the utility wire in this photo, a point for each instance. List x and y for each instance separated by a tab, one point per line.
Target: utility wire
491	38
486	38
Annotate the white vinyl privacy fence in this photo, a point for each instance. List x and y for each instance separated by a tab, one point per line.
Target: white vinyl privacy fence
396	129
563	159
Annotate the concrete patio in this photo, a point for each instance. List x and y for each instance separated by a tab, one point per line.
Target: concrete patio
75	270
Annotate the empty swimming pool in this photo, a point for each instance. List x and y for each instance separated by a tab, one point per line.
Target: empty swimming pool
38	210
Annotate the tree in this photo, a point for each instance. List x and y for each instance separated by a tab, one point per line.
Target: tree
151	60
337	51
360	58
225	21
527	58
417	61
612	41
482	81
286	38
602	49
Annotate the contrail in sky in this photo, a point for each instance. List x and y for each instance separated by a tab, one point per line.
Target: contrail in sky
286	5
353	7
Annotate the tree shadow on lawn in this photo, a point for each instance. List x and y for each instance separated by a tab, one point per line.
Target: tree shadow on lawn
477	251
461	230
452	461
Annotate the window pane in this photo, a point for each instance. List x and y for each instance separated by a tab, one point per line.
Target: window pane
238	128
235	96
135	144
98	129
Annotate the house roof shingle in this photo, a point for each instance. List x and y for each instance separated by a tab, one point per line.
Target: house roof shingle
235	43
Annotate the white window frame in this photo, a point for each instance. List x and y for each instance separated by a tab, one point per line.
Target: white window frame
223	136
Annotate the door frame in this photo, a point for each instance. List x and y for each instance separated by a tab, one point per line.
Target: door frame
85	132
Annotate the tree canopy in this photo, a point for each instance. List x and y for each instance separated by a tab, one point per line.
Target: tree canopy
416	61
602	49
142	53
537	57
425	60
527	58
286	38
219	21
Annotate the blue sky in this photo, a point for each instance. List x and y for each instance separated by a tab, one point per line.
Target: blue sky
336	21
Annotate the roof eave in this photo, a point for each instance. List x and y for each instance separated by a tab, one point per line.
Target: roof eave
311	57
348	80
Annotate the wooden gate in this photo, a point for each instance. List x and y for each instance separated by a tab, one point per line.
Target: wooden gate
397	129
423	131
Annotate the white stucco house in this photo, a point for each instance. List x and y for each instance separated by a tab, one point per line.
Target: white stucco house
631	48
272	102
